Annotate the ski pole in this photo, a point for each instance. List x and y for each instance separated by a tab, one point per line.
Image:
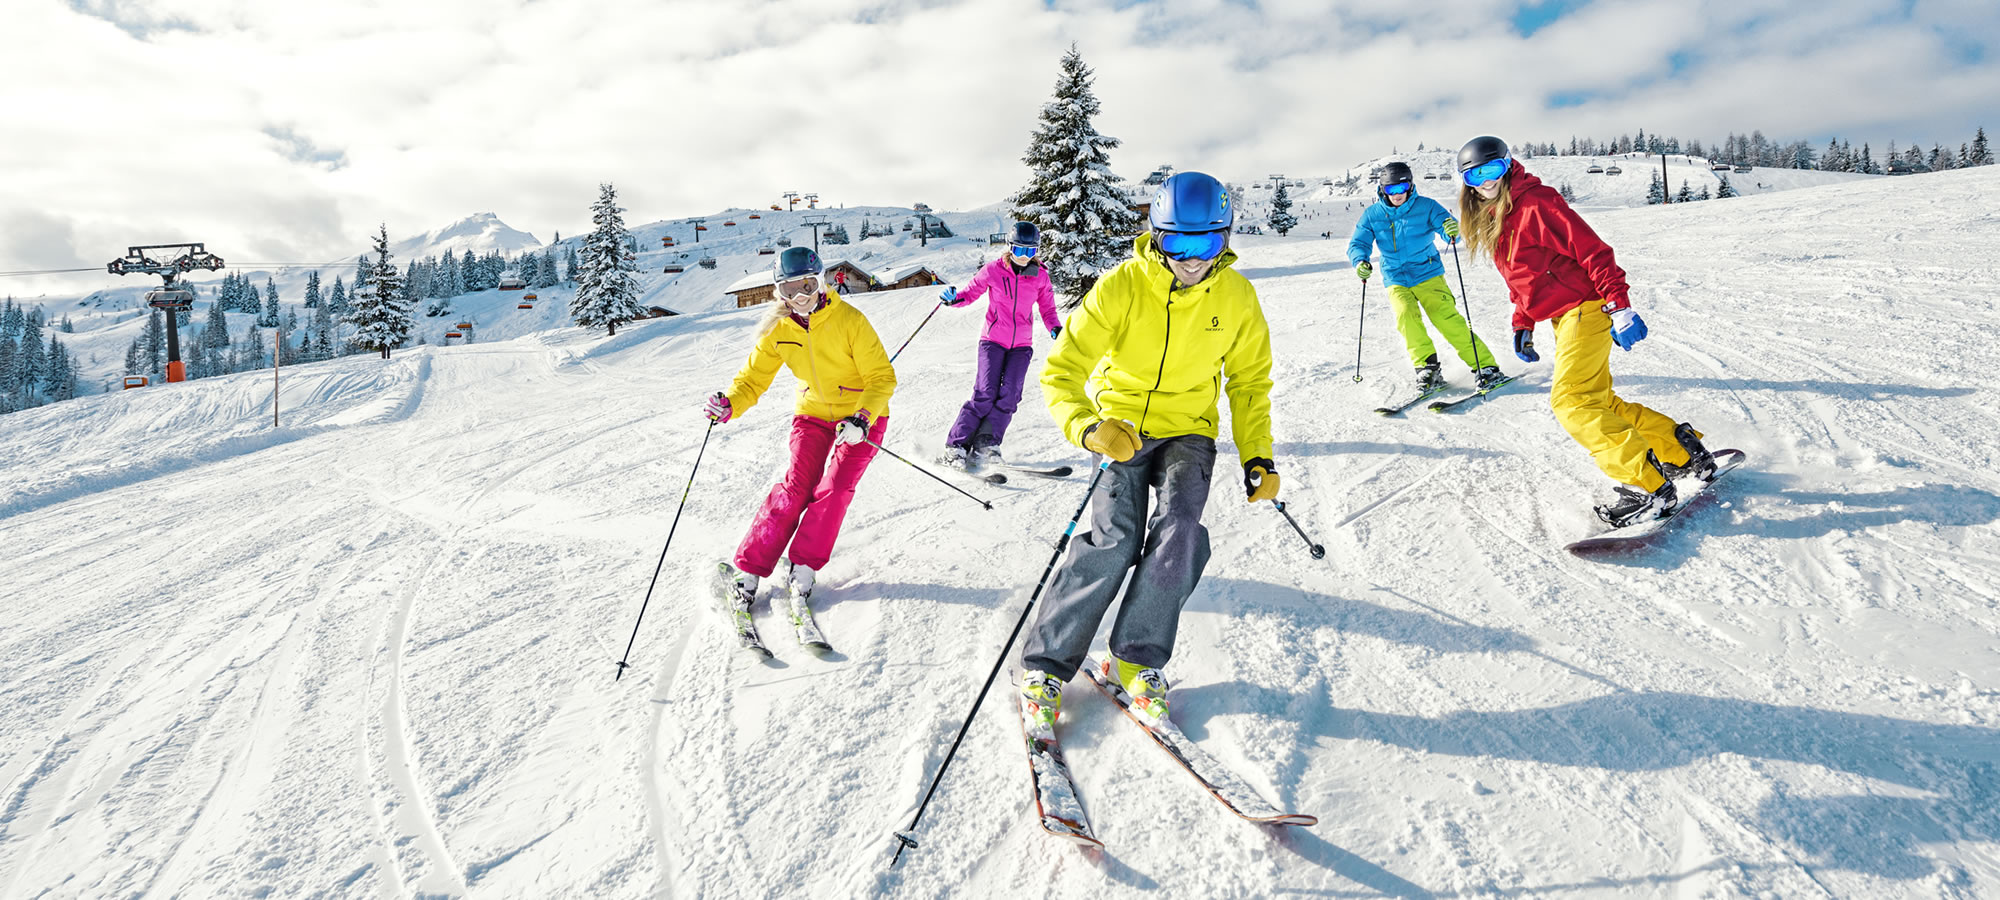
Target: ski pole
932	474
1467	300
906	838
1317	551
1358	327
913	334
622	665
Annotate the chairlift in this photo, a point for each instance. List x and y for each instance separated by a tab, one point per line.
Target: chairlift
1595	169
766	251
465	325
755	216
673	269
1719	167
170	299
701	228
706	262
452	334
1612	170
529	297
1429	176
525	306
728	224
777	207
1742	170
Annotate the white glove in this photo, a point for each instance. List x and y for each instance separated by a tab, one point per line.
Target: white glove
853	429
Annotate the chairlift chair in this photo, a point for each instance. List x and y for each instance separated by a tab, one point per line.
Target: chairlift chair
529	297
1595	169
525	306
1612	170
673	269
452	334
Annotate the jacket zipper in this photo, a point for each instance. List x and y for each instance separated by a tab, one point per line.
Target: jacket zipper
1160	375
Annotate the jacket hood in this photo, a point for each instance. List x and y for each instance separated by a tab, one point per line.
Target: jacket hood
1522	182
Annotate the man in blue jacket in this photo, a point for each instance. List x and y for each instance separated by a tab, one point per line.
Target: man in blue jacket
1402	226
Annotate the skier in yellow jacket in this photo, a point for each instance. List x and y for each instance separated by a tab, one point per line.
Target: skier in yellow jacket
1137	377
842	412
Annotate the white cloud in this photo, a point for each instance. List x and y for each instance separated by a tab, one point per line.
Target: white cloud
288	131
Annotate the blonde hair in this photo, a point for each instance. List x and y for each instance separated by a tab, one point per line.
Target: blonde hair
1480	220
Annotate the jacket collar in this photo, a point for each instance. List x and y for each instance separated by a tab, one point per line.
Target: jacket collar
826	301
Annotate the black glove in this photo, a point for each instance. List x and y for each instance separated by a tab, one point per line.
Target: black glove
1260	479
1524	345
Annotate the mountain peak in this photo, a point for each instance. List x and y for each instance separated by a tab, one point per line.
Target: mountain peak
478	233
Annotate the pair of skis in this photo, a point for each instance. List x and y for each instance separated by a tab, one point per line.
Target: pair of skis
1445	405
1060	810
798	609
997	473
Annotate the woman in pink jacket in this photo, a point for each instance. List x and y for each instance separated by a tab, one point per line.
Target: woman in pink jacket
1015	285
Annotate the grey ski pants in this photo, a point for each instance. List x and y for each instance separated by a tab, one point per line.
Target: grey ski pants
1165	553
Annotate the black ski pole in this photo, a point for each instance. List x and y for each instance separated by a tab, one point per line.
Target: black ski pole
1467	300
622	664
1317	551
932	474
1359	326
913	334
906	839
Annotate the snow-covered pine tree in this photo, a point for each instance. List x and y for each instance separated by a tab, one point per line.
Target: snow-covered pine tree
1981	155
1282	220
361	270
606	292
312	290
1072	194
570	264
156	344
1568	193
214	332
9	374
545	274
336	300
1686	193
31	364
1656	191
1702	194
61	382
135	360
270	317
376	309
528	268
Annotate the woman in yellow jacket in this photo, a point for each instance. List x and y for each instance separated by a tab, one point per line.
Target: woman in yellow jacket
842	412
1136	377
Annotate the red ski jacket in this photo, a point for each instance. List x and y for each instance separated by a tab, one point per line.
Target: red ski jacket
1551	259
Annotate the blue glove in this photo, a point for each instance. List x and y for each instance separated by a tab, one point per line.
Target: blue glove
1627	328
950	295
1055	332
1524	345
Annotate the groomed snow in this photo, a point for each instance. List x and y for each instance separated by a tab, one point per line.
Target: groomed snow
371	654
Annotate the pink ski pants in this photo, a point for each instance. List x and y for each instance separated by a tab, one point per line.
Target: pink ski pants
805	508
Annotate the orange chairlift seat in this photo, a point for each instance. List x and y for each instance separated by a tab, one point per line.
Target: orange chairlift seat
452	334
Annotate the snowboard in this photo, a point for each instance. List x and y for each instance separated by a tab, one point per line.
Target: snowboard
1642	535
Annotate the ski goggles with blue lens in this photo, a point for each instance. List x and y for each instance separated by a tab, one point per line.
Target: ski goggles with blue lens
1401	187
1179	245
1024	252
1481	174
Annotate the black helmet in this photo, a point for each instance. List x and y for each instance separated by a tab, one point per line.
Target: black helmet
1394	173
796	262
1025	234
1482	150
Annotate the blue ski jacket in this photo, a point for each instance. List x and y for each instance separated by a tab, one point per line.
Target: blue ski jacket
1404	234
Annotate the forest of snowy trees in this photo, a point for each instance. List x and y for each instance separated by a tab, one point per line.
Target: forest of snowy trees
1754	149
33	370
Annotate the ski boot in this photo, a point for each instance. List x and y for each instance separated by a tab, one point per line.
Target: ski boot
955	457
1488	376
1041	702
1634	504
735	588
988	455
800	591
1430	375
1147	686
1700	464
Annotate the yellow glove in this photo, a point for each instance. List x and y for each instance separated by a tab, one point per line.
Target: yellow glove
1260	479
1115	438
1451	229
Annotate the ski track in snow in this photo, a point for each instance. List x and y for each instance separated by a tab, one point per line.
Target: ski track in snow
372	654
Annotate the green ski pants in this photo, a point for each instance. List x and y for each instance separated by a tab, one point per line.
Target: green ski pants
1434	298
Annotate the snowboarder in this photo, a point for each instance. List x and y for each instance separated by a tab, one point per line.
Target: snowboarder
1136	379
842	412
1402	225
1016	285
1558	270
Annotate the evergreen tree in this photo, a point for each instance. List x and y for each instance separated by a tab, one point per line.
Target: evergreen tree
376	310
606	293
312	290
251	352
322	335
1072	195
528	268
1981	155
1964	156
1282	220
337	300
62	372
1703	193
1865	163
31	364
545	272
214	333
454	276
270	318
67	327
361	270
1568	193
156	344
1686	194
1656	191
10	375
10	321
135	360
569	265
1725	191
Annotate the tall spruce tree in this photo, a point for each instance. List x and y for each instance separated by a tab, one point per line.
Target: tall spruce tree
376	310
606	292
1980	155
1072	194
1282	220
270	317
569	266
1656	191
336	300
313	298
545	273
1686	194
1725	190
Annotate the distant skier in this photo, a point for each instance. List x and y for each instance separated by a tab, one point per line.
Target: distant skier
1136	378
843	405
1558	270
1402	224
1016	286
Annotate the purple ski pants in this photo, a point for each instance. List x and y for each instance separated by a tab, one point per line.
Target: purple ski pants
805	508
996	393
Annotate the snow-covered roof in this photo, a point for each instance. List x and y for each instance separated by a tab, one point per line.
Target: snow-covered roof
757	279
904	271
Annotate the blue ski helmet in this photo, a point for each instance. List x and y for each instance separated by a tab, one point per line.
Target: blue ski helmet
796	262
1192	202
1025	234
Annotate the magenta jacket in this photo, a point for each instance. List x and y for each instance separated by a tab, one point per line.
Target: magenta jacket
1010	311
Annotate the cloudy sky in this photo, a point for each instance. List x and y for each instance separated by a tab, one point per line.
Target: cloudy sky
284	132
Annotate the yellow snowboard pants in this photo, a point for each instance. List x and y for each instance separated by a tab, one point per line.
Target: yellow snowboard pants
1433	298
1616	432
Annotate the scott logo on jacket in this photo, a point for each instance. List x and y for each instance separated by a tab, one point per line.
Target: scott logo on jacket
1214	323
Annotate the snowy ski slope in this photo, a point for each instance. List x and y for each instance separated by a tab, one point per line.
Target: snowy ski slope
371	654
